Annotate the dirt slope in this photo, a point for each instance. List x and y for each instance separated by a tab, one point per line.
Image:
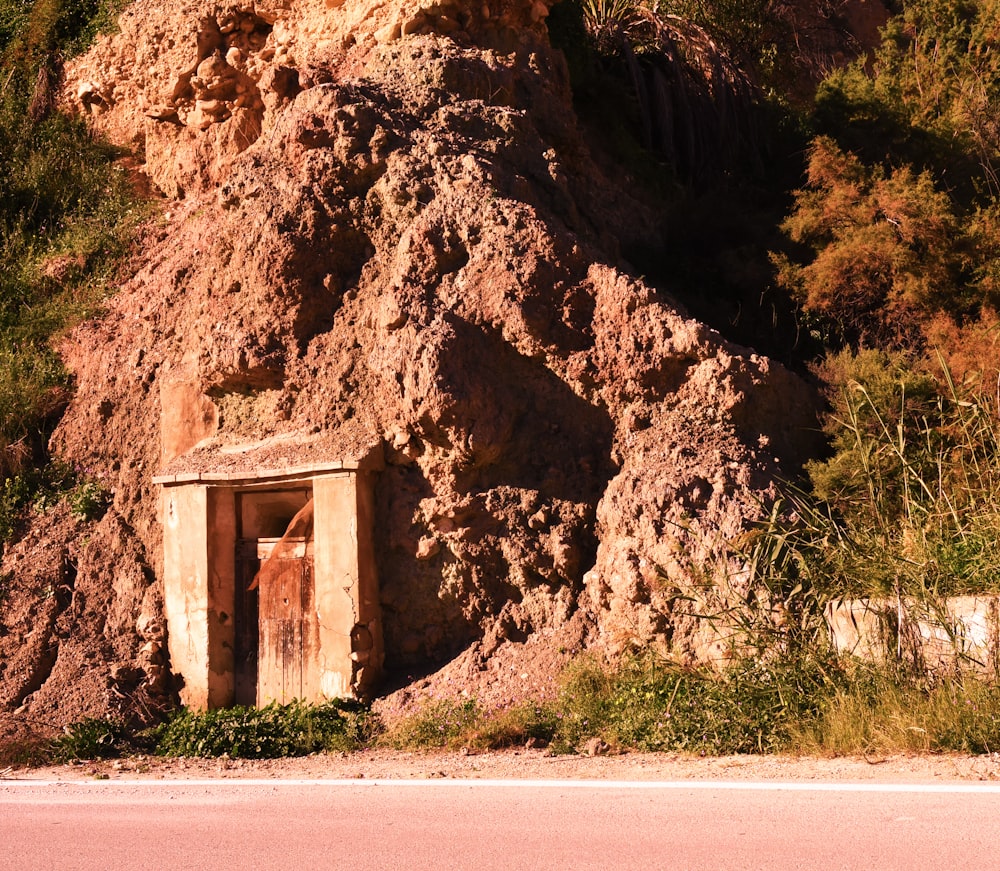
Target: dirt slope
382	226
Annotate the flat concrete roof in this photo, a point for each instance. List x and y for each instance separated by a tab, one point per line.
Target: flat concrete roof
282	457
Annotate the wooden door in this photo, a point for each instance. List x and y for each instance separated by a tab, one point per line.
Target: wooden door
276	622
285	621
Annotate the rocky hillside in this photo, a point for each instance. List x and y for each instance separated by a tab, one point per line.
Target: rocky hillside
381	225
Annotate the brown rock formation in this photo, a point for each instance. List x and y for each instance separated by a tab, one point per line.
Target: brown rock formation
385	226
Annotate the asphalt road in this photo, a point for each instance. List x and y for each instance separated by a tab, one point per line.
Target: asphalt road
480	825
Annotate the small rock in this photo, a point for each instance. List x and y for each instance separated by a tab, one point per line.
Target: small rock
428	547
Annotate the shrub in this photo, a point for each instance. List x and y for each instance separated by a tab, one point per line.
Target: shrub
91	738
296	729
88	500
653	705
882	709
886	251
440	723
67	213
21	744
913	477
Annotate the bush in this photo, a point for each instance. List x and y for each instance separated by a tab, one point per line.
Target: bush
886	251
441	723
21	745
882	709
91	738
296	729
67	213
88	500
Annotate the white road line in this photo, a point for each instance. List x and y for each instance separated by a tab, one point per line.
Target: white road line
749	786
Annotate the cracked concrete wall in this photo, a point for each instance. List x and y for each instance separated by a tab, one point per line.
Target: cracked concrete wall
199	540
350	626
936	635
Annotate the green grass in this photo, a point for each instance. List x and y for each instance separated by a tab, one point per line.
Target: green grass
67	217
818	706
882	710
811	706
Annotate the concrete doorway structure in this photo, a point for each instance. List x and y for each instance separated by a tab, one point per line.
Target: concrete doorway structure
270	589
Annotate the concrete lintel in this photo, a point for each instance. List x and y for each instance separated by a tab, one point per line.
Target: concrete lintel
371	460
234	478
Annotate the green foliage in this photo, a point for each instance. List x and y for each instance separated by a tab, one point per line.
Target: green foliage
807	704
88	500
29	29
887	251
929	97
880	709
296	729
749	30
914	478
898	219
13	15
650	705
91	738
42	487
642	704
67	214
938	61
441	723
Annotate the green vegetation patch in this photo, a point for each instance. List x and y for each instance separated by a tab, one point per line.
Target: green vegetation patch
275	731
814	705
810	705
91	738
906	505
67	216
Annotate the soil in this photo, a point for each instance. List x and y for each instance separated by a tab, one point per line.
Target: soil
539	765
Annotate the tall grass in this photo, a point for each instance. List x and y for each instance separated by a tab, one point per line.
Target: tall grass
820	705
909	504
882	709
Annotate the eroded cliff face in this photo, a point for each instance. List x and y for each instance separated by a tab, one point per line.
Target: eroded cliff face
382	226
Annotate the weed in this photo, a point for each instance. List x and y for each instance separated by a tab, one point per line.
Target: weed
67	213
441	723
88	500
653	705
914	479
296	729
526	724
454	723
23	746
643	703
91	738
884	709
39	489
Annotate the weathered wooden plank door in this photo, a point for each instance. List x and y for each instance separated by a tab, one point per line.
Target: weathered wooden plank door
286	633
